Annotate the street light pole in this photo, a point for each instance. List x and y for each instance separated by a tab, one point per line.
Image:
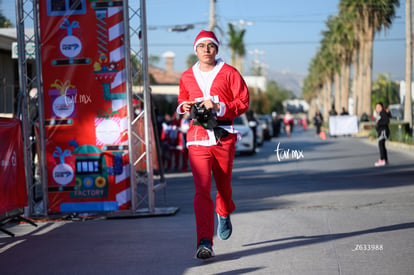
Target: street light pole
409	62
212	22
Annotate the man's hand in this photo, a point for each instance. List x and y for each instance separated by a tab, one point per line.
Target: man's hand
187	106
208	104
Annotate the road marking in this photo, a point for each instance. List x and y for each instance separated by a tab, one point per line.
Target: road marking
5	248
49	228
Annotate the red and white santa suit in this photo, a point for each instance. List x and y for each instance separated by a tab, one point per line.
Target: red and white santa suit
223	85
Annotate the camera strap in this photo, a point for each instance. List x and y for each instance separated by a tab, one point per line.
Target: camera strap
224	122
210	124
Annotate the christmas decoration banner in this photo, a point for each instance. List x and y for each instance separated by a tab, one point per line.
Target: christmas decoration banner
13	192
84	88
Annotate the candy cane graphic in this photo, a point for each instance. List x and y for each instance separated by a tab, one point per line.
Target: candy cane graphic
110	29
109	69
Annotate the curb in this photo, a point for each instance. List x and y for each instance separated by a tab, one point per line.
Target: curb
392	144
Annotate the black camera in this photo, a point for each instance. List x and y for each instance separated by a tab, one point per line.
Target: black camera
200	113
203	116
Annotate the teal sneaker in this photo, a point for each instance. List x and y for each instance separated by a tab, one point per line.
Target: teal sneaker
224	228
205	250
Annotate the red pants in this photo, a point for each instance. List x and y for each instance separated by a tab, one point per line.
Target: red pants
219	160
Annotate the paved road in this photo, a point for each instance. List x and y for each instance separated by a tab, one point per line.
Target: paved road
324	210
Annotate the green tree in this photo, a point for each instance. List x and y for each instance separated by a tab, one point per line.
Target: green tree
137	73
4	22
153	60
384	90
259	102
275	95
265	102
191	60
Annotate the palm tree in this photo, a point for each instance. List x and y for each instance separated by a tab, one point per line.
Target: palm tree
237	48
313	84
333	61
318	83
335	36
342	37
368	16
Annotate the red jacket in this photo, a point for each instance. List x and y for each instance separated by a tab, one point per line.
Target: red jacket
231	90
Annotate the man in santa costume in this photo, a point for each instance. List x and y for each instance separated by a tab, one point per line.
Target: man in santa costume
220	89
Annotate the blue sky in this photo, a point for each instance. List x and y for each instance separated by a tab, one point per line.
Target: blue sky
285	33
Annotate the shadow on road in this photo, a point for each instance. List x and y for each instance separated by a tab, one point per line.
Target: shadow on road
297	241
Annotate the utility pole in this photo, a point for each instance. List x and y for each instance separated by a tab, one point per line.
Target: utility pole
409	62
257	65
212	22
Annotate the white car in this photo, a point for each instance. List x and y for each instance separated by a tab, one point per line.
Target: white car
246	144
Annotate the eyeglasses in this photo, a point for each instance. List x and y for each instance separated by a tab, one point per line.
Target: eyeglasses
209	46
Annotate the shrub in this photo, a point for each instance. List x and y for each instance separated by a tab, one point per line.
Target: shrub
399	130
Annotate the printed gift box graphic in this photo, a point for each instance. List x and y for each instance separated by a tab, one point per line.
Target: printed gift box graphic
63	98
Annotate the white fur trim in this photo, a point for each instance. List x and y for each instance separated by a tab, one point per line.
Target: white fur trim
204	39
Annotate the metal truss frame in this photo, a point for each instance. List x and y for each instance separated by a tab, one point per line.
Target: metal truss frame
143	188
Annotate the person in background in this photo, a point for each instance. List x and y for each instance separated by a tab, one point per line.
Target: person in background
164	141
344	112
173	143
383	131
253	125
333	112
288	121
182	141
318	121
213	89
304	122
276	124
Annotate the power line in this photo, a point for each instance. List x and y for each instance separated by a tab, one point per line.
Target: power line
270	43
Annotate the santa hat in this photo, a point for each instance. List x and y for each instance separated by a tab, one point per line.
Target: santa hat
205	35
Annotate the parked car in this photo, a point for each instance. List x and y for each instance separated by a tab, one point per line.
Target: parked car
256	127
267	126
259	133
247	142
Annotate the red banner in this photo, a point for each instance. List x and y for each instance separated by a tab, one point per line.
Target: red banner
13	192
84	88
